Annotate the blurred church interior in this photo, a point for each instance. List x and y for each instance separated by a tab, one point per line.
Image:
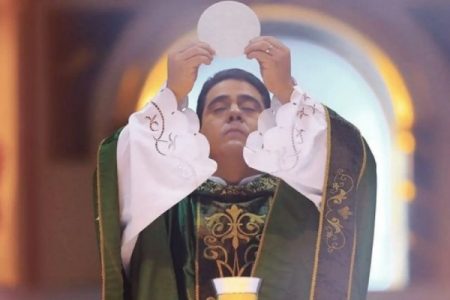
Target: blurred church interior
72	71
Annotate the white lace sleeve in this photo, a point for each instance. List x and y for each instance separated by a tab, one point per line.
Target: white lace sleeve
161	158
290	143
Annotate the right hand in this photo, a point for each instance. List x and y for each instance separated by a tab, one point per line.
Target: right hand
182	67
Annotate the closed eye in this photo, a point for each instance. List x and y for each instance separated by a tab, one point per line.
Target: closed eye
219	109
218	104
249	104
248	109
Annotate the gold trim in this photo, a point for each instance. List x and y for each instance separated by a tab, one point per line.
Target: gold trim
100	223
263	235
363	167
188	294
352	263
322	208
355	235
197	221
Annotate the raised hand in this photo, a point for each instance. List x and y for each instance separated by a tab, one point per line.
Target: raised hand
182	67
274	59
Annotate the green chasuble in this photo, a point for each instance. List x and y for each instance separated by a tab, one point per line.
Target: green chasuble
264	229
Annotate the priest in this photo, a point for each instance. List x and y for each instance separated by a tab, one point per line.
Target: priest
282	189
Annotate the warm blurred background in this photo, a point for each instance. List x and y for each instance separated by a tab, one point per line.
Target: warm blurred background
71	71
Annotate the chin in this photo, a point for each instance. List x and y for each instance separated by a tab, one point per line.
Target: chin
233	145
234	142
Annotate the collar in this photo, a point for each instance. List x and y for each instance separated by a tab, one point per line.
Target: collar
244	181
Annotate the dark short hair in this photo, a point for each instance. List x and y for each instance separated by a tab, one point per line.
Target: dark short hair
236	74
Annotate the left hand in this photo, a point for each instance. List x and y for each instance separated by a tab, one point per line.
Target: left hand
274	59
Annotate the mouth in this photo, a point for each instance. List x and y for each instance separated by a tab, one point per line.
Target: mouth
235	132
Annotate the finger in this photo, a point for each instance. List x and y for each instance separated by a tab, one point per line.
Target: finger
275	42
185	45
181	46
271	40
196	61
191	52
207	47
260	56
199	44
260	45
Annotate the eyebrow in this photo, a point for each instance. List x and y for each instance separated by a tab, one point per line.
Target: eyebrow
241	98
217	99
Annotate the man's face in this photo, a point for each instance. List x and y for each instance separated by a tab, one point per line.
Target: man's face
231	112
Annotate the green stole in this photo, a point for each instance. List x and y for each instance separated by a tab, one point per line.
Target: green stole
303	254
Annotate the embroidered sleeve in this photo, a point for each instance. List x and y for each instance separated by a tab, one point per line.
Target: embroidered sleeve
290	143
161	158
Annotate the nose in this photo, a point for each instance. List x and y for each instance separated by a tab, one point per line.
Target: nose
235	113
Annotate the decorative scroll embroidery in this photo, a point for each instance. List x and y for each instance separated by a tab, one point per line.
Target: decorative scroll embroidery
337	210
153	123
157	125
288	159
301	113
263	184
237	227
229	229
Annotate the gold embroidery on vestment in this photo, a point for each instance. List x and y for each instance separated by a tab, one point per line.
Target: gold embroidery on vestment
336	213
355	236
322	210
239	227
197	277
262	184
